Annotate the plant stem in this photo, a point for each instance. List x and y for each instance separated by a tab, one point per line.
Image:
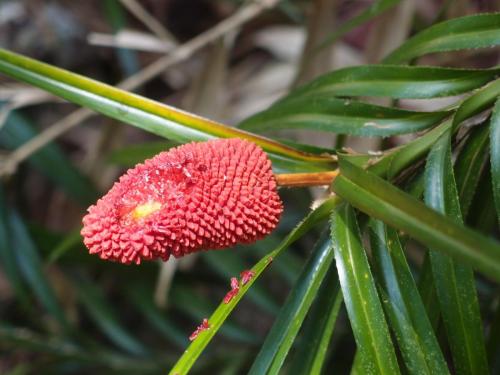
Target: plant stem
305	179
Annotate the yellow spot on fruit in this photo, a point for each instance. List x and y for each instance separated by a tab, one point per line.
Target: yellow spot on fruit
146	209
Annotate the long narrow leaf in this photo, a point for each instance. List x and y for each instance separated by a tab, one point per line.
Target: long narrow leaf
400	158
49	160
395	81
470	32
470	164
377	8
70	241
222	312
7	253
24	338
31	267
360	295
229	264
482	213
493	343
495	155
115	14
155	117
278	342
312	348
477	102
357	365
326	113
288	265
413	330
428	293
141	298
105	318
391	164
18	337
426	288
454	282
380	199
199	307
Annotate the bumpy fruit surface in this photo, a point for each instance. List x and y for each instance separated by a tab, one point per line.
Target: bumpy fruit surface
199	196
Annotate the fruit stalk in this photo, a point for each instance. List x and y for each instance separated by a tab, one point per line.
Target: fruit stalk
305	179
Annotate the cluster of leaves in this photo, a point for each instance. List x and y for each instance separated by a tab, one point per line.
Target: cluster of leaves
438	193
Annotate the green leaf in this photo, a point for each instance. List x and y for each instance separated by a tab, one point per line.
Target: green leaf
402	302
278	342
383	201
117	18
141	299
495	155
477	102
222	312
115	15
318	329
305	147
470	32
470	164
426	289
26	339
106	319
395	81
288	265
155	117
493	343
482	213
360	295
415	185
374	10
129	156
454	282
396	160
59	348
30	265
70	241
357	365
8	261
428	293
230	264
49	160
326	113
199	307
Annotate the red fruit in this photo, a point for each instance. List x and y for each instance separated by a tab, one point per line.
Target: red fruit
203	327
235	289
246	276
199	196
